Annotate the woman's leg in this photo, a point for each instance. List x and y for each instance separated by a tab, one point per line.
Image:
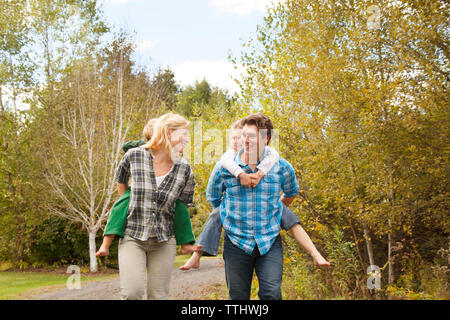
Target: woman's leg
209	240
160	258
132	268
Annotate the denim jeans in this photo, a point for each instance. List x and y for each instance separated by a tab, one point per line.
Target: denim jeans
239	267
210	236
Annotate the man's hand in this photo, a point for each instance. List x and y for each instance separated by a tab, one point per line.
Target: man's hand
246	181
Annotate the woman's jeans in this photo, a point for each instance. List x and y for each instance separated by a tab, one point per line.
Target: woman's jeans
210	236
239	267
145	268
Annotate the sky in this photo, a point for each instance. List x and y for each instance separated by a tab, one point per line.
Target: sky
192	37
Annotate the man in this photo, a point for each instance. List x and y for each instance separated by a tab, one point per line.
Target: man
251	216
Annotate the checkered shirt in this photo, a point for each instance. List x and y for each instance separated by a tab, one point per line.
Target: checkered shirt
252	216
151	209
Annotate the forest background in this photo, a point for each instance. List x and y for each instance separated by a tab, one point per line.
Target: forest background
358	93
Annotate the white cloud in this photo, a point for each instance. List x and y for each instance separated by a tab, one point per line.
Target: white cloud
241	8
218	73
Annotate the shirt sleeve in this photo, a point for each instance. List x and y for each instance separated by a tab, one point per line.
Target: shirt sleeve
123	172
227	162
216	187
289	185
269	160
187	195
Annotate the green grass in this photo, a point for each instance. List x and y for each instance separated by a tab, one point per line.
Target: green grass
19	285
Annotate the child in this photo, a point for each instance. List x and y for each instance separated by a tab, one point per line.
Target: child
210	236
118	216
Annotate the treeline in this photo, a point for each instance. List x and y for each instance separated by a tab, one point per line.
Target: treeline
359	91
71	96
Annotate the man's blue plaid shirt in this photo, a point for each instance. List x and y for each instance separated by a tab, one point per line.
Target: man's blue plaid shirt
251	216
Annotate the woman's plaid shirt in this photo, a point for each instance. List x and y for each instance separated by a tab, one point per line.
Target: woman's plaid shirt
152	208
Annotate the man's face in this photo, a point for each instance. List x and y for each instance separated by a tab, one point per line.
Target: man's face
253	142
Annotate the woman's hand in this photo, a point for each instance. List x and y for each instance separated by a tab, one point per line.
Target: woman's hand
246	180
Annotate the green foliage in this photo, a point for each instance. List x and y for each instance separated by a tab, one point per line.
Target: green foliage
363	117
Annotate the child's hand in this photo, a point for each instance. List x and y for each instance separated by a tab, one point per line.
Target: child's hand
246	181
103	251
256	178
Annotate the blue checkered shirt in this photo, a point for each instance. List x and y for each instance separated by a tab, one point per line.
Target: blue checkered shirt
251	216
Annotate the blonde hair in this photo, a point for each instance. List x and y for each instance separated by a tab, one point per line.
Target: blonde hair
161	127
148	129
237	124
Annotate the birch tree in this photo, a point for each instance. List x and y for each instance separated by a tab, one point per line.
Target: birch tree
102	100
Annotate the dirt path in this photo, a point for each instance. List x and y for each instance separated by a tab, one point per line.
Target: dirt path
184	285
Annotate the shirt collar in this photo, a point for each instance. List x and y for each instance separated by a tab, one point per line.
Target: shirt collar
237	158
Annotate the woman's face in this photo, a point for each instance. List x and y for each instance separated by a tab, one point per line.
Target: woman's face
178	139
236	139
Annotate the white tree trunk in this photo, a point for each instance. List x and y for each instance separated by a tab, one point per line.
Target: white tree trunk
368	245
92	251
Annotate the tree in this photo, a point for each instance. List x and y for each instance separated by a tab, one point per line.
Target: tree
102	100
356	90
200	99
165	88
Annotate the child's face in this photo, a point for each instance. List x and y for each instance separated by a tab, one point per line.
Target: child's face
236	139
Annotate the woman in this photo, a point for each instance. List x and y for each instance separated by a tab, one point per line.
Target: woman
159	176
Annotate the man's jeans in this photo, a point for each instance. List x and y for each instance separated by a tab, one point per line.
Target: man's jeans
239	267
210	236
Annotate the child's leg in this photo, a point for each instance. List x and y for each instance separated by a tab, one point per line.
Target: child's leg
183	229
116	223
118	216
288	218
209	240
293	225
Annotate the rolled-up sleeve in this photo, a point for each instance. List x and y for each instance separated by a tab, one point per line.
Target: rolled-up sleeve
122	174
290	185
187	195
215	189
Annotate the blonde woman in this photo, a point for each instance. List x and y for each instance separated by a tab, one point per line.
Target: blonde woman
117	219
159	176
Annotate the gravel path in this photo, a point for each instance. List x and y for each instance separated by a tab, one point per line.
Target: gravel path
184	285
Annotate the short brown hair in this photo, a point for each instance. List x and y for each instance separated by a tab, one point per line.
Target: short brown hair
261	121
